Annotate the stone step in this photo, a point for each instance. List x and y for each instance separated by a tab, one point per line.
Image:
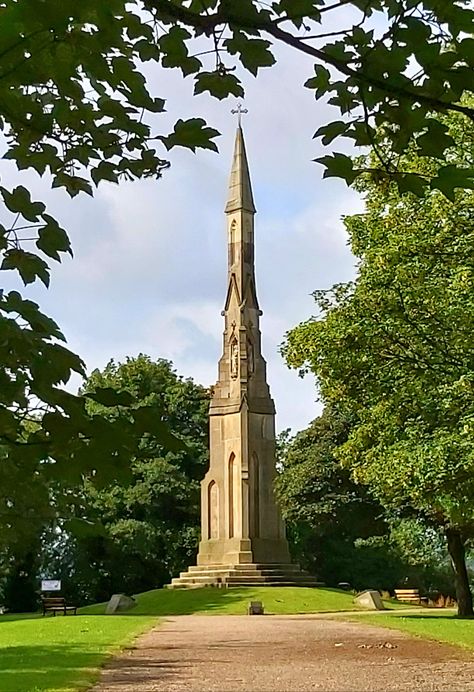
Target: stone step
242	580
308	583
199	568
242	583
244	574
212	574
253	566
285	566
273	578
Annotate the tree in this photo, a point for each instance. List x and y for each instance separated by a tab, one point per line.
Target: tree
394	348
338	531
150	524
325	511
75	106
395	78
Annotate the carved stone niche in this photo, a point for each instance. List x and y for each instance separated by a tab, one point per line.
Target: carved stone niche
234	357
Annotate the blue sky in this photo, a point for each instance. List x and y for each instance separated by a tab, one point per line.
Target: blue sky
149	271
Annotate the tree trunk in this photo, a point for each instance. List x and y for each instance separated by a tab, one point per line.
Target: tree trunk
458	559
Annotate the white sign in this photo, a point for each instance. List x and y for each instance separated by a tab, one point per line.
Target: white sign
51	585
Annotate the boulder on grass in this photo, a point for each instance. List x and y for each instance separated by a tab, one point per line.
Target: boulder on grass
119	602
370	599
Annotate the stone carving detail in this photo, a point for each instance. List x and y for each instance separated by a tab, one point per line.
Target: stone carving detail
234	357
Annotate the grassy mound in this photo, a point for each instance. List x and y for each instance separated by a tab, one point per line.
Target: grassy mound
276	600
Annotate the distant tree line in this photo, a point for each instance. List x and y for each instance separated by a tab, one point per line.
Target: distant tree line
136	534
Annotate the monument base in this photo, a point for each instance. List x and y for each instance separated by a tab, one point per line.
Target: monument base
243	551
250	574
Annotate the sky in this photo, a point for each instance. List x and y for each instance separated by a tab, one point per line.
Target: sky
150	261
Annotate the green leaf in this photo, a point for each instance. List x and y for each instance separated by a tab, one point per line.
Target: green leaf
331	131
414	31
254	53
147	420
53	239
104	171
147	50
29	266
30	312
3	238
410	182
320	82
339	166
85	529
175	51
218	84
466	49
19	201
73	184
111	397
299	9
451	177
435	141
191	134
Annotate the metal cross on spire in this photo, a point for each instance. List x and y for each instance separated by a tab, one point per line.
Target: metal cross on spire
239	111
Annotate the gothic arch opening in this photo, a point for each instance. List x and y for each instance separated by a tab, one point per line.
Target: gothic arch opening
233	476
213	510
255	506
232	243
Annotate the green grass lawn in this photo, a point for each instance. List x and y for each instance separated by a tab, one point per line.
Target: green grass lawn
276	600
436	624
60	654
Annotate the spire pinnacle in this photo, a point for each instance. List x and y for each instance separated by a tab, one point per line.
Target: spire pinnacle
240	190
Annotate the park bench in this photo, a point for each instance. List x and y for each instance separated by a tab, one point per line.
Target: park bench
410	596
57	605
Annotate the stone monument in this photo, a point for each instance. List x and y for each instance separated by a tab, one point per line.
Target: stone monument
242	533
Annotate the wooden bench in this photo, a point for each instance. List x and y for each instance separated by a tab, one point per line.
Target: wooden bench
57	605
410	596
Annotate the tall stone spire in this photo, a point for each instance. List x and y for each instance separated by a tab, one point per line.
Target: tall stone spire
242	534
241	523
240	195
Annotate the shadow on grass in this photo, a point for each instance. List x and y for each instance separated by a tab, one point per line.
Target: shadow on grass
14	617
41	668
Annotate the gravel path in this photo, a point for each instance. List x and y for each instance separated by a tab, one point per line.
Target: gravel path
196	653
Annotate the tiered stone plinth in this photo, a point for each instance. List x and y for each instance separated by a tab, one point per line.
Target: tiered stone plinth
243	575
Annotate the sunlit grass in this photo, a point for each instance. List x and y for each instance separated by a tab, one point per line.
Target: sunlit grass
434	624
60	654
276	600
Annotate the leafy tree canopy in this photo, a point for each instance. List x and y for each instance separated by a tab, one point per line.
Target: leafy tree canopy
339	531
395	349
392	78
150	524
